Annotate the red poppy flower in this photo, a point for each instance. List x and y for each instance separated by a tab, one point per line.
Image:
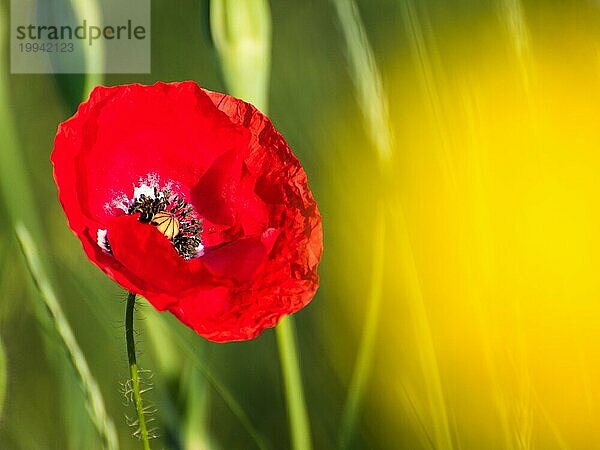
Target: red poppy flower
193	200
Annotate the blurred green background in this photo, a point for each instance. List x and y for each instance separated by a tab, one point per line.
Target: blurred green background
44	407
452	147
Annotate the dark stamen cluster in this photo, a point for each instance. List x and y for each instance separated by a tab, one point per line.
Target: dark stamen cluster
188	239
190	228
148	206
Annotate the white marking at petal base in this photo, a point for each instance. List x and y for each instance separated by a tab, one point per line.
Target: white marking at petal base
143	189
101	240
199	250
120	202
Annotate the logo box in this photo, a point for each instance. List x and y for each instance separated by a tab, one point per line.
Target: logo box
53	36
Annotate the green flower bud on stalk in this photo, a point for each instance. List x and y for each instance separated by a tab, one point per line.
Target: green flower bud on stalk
241	31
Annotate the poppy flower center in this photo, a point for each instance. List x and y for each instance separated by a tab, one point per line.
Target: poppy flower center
174	217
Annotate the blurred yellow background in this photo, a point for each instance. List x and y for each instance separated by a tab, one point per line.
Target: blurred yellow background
489	329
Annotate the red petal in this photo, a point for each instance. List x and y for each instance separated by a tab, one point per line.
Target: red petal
124	133
262	233
150	256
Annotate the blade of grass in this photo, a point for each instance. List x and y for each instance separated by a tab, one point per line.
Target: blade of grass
20	205
184	390
412	403
7	275
196	434
94	54
406	266
559	438
103	423
18	196
170	362
428	66
3	377
241	30
364	360
511	13
486	260
157	327
373	104
183	343
366	78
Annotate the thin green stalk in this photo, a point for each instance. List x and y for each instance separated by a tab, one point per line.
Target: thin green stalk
241	30
134	372
157	326
296	406
364	360
95	403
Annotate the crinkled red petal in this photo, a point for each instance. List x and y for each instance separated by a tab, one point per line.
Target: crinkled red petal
262	233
